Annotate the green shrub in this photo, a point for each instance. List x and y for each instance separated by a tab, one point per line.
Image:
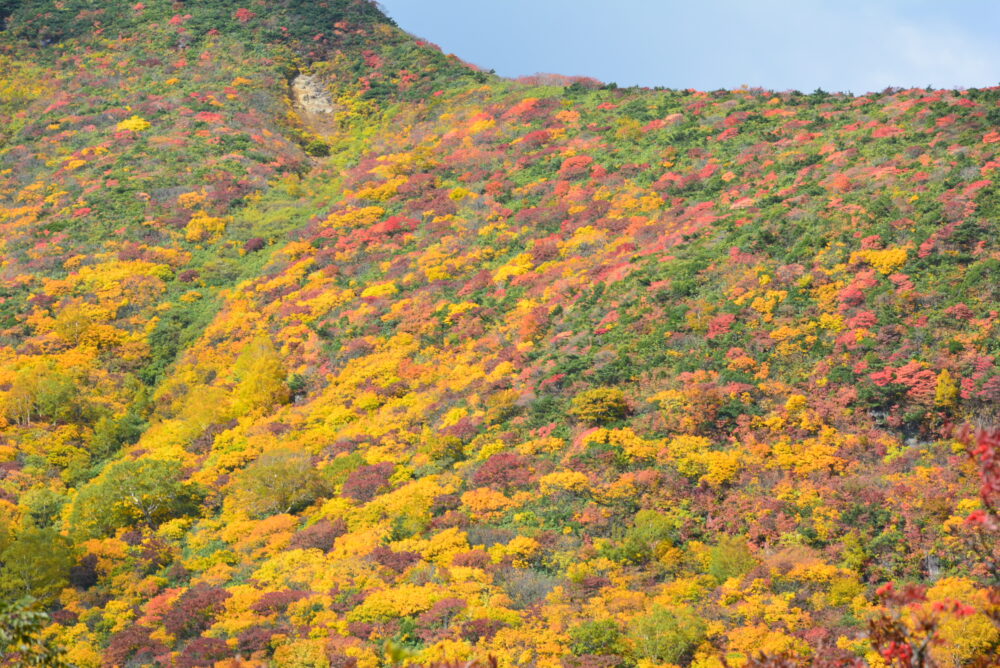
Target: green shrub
111	434
317	148
22	633
640	542
730	558
133	493
36	563
595	637
42	506
280	481
666	635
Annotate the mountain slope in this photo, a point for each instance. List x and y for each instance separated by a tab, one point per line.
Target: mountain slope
561	375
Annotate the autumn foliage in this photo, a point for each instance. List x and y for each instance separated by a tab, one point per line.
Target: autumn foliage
462	371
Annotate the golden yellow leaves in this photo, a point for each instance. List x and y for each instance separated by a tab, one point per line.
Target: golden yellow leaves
260	374
377	290
747	641
480	124
570	481
521	550
795	404
458	194
442	546
541	445
586	236
885	261
808	456
766	302
517	266
693	457
965	636
379	192
21	83
487	503
303	652
401	601
203	227
355	217
133	124
626	439
720	466
191	200
599	405
946	390
444	652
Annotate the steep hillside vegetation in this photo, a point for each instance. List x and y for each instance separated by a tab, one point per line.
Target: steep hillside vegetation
460	367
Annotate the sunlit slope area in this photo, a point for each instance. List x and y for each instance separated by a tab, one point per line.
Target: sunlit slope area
458	367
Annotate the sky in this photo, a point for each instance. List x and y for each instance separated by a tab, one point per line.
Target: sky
853	46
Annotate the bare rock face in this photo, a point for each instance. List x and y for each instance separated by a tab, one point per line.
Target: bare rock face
311	96
314	105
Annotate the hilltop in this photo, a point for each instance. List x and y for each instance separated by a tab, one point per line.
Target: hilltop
319	347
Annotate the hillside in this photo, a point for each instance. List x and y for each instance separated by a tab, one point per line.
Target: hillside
437	366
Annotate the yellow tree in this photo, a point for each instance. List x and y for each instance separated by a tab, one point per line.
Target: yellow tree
260	374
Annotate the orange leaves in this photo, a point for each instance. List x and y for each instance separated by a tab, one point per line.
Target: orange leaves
522	108
841	182
728	133
487	503
575	166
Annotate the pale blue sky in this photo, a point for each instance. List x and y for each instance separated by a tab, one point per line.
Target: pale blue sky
837	45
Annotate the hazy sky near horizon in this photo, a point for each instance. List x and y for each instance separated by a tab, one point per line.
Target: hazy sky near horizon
837	45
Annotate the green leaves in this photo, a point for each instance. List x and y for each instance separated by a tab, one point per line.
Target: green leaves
21	636
130	493
36	563
731	557
667	635
280	481
596	637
